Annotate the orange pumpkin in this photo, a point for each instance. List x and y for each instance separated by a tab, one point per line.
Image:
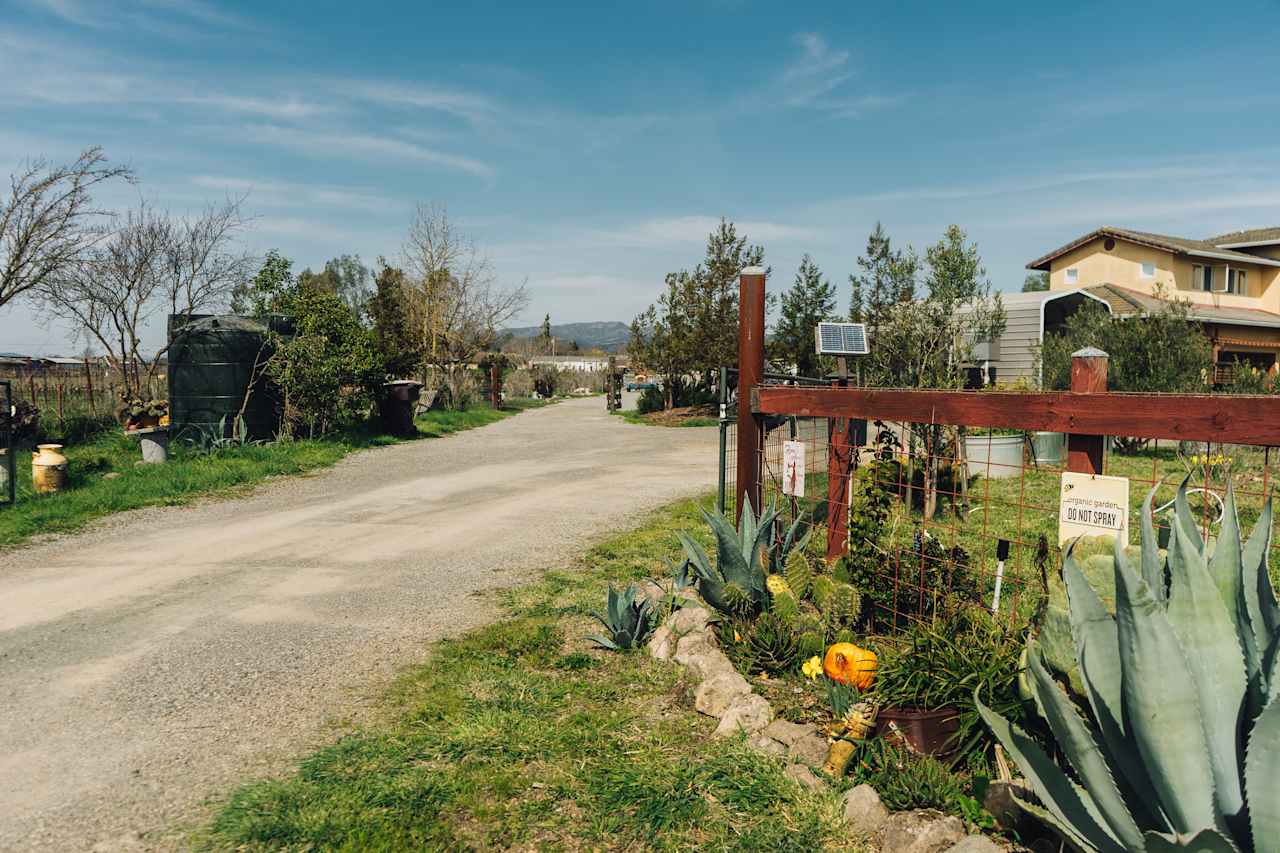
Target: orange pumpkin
849	664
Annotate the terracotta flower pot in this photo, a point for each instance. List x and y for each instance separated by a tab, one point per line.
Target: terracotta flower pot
930	732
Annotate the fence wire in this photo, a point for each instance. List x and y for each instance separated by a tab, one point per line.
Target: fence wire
944	516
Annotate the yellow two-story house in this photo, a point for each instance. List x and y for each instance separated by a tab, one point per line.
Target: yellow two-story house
1232	282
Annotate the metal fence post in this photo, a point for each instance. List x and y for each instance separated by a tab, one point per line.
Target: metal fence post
1088	376
750	373
724	436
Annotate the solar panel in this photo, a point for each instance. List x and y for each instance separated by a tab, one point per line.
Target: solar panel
842	339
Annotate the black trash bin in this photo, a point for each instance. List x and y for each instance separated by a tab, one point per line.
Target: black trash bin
399	401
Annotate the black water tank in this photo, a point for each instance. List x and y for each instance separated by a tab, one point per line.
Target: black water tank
212	360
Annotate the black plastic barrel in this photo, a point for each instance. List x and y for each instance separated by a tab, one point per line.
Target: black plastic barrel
212	361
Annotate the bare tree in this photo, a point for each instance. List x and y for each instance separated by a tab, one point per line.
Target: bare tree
151	263
454	297
47	220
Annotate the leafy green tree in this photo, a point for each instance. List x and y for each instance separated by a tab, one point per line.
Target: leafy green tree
262	294
399	339
329	370
928	342
810	300
1164	351
1036	282
692	330
345	277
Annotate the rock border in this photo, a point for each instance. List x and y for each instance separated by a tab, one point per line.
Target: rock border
686	638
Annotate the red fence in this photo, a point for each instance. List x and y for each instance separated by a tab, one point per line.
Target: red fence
992	519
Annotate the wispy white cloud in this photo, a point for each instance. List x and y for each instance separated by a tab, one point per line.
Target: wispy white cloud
343	145
288	194
465	105
174	18
819	79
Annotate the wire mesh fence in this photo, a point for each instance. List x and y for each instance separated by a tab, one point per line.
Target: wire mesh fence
941	516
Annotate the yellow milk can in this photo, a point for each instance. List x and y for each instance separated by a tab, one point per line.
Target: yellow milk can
48	469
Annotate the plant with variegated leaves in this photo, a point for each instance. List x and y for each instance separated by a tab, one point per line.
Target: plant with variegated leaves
1179	746
735	583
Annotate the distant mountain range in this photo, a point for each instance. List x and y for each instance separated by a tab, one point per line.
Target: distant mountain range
609	335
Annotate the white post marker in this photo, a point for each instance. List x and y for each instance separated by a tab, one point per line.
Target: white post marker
793	468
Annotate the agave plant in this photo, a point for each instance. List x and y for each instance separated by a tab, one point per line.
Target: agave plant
627	620
1179	750
735	584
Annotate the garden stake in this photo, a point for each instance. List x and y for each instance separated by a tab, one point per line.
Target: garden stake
1002	554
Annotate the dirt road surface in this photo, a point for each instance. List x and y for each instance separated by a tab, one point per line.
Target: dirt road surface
149	664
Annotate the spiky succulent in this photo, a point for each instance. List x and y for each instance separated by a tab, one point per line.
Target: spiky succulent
799	573
1178	750
810	644
735	584
628	619
775	645
823	589
794	542
843	605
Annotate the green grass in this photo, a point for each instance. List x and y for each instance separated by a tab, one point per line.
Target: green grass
189	475
520	734
632	416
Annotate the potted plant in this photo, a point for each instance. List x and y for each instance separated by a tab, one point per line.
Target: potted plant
927	676
135	413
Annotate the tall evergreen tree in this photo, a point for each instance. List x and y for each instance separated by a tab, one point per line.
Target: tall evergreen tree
888	277
810	300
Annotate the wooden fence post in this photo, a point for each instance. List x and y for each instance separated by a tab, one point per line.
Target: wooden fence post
750	373
1088	376
840	449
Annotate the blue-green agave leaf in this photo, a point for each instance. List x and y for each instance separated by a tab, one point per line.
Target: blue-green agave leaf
1185	521
1161	706
1204	841
1256	639
1205	629
1226	565
1077	742
1064	829
1071	805
604	642
697	557
730	560
1262	779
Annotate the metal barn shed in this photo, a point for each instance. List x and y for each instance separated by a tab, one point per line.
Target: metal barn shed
1027	315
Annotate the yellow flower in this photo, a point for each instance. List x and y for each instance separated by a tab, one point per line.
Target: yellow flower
812	668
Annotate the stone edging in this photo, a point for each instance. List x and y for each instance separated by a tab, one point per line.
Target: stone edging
686	638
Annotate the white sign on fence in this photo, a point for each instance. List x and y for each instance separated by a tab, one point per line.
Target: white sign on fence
793	468
1093	505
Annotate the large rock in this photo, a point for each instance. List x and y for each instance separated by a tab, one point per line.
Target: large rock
761	742
662	645
863	810
920	832
976	844
688	620
811	750
804	776
750	714
787	732
699	654
717	693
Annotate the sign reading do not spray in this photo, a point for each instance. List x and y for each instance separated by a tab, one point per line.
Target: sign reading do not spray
1093	505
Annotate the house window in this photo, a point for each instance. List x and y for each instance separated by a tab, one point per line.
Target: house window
1148	269
1073	275
1203	278
1236	281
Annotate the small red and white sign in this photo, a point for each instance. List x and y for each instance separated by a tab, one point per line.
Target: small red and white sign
793	468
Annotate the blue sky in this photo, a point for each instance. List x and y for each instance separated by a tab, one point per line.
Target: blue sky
589	147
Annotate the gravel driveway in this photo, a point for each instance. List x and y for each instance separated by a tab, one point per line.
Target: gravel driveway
156	660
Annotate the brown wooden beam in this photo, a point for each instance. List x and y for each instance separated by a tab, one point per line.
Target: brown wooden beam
1236	419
